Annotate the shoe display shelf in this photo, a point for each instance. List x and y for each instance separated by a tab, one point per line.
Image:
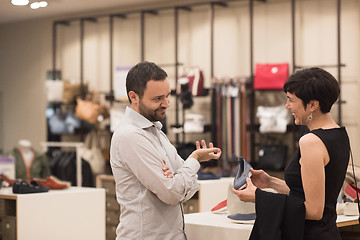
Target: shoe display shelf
112	206
72	213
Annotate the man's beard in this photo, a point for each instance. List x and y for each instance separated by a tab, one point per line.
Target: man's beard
151	115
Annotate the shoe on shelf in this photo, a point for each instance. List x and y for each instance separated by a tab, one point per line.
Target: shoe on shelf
220	207
9	181
52	183
242	173
350	191
23	187
248	218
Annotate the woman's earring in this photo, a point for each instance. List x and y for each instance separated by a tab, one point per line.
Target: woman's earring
310	117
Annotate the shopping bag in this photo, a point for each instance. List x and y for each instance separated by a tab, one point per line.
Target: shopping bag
270	76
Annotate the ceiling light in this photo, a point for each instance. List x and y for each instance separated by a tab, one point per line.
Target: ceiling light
43	4
20	2
36	5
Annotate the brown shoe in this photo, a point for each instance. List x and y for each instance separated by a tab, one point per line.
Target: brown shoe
7	180
52	183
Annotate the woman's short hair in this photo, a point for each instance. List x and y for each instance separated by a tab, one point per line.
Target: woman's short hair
140	74
314	84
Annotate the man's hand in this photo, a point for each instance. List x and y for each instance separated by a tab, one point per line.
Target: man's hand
167	171
205	153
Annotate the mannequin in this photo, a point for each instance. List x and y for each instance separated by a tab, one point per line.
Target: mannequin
28	162
26	151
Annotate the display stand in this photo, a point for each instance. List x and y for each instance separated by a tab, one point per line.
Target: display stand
72	213
211	226
77	146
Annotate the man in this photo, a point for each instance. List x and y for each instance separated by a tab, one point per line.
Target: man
152	180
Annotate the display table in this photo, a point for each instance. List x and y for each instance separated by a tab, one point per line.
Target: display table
211	192
73	213
210	226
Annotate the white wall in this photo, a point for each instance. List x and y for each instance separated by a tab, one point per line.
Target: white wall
26	53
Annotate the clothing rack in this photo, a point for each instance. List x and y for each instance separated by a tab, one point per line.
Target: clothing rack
295	66
77	146
230	99
213	5
143	12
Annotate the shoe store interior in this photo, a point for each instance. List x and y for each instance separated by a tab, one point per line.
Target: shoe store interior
63	69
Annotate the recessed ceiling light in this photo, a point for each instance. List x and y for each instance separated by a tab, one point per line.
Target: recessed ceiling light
43	4
20	2
36	5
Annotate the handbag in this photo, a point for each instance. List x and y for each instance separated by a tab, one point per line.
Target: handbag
272	157
71	91
196	80
91	110
87	111
92	153
270	76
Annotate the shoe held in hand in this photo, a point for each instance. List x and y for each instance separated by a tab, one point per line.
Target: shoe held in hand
242	173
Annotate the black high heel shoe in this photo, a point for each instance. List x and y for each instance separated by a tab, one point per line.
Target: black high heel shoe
242	173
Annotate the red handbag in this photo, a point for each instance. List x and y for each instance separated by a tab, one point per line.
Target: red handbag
196	80
271	76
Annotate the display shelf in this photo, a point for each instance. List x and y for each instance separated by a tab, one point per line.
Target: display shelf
72	213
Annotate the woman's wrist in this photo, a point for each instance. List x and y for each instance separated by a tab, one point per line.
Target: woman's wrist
272	182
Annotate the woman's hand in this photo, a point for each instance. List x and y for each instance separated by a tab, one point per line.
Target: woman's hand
205	153
260	178
246	194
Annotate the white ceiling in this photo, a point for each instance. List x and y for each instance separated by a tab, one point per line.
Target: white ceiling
61	8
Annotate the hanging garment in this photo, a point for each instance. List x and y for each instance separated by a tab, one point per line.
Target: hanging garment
272	119
63	166
230	117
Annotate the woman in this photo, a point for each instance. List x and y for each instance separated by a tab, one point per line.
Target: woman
317	170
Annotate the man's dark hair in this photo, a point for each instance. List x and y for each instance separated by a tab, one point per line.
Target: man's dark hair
314	84
140	74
